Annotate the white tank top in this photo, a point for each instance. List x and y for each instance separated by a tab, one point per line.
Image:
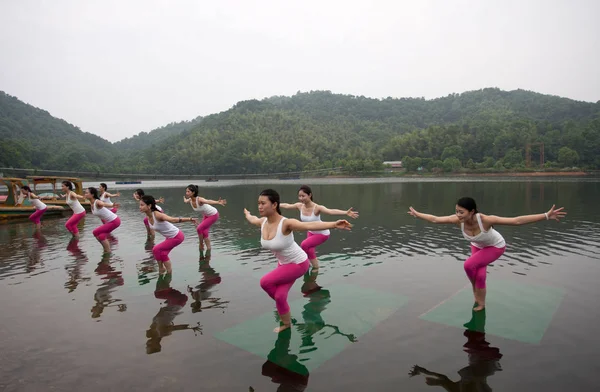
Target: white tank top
484	238
165	228
37	203
105	199
205	209
74	204
313	218
283	247
103	213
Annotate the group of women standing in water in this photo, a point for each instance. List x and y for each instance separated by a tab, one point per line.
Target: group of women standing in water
276	232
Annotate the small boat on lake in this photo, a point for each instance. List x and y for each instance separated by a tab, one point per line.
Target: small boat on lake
14	206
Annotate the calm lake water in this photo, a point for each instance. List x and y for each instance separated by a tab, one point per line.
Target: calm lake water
391	294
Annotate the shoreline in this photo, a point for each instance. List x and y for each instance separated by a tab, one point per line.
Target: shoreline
476	174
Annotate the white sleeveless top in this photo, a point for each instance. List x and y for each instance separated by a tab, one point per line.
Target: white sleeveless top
74	204
313	218
205	209
105	199
103	213
484	238
283	247
37	203
165	228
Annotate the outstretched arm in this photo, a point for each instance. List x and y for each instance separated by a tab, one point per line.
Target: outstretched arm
209	201
556	214
432	218
253	219
164	217
112	195
288	206
324	210
295	225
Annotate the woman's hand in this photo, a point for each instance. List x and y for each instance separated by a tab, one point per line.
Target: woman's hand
343	224
222	201
413	212
162	200
352	214
556	213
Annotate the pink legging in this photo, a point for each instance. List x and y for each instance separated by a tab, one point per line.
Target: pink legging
71	224
102	232
161	251
278	283
311	242
36	217
476	265
204	226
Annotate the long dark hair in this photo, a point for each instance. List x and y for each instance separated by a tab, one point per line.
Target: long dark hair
26	187
103	185
273	197
94	192
468	203
194	189
149	200
68	184
306	189
140	192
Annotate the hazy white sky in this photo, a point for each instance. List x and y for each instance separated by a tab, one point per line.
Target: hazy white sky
119	67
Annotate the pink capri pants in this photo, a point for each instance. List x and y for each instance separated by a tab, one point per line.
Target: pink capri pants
476	265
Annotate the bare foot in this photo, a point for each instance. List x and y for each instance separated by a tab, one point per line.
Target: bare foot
281	328
479	308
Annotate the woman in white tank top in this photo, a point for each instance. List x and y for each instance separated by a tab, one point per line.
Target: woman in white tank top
36	201
163	223
73	203
277	236
105	198
311	212
110	220
487	245
137	195
209	216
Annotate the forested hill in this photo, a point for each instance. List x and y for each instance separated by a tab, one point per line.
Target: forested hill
147	139
31	137
484	128
315	130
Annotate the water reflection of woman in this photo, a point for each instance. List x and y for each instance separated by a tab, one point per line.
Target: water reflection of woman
203	291
110	280
74	270
162	324
318	299
41	242
483	361
148	268
284	368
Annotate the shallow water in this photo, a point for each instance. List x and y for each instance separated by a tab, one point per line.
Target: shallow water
391	294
